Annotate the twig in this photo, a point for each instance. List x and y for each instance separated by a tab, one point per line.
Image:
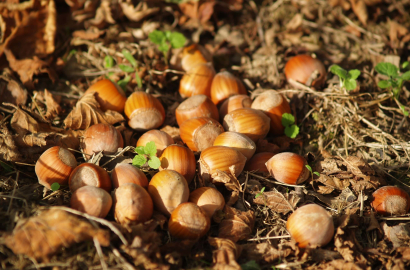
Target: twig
271	181
269	237
100	253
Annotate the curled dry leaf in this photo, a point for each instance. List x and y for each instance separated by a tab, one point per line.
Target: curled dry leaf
138	12
89	34
399	234
8	148
228	179
53	108
225	254
103	15
30	29
337	174
87	113
345	238
144	248
360	9
11	91
265	252
41	236
398	34
237	225
278	202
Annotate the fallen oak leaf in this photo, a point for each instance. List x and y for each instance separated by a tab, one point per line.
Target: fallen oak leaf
225	254
237	225
42	236
87	112
278	202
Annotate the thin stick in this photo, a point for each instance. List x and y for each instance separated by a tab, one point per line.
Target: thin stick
100	253
271	181
269	237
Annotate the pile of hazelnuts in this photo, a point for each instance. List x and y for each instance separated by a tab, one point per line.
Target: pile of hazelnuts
219	121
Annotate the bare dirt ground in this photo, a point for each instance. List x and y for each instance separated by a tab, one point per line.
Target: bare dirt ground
51	51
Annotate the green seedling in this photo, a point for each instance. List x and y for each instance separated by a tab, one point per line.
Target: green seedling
144	153
347	78
288	121
166	40
311	171
6	166
260	193
109	63
55	186
395	80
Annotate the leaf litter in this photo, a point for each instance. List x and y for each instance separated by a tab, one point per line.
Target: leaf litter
365	132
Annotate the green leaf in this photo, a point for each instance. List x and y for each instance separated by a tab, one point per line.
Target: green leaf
260	193
309	168
387	69
292	131
406	76
108	61
139	160
354	74
384	84
168	35
163	47
151	149
123	83
130	58
177	40
403	109
287	119
251	265
154	162
126	68
316	173
55	186
140	150
405	64
157	37
138	78
339	71
6	166
350	84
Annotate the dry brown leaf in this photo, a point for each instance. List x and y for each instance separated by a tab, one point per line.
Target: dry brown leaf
27	68
11	91
138	12
399	234
265	146
41	236
360	9
23	123
8	148
90	34
144	248
103	15
265	252
278	202
345	239
237	225
87	112
30	34
228	179
198	13
225	254
53	108
398	34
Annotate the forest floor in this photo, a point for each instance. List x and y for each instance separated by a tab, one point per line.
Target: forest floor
51	51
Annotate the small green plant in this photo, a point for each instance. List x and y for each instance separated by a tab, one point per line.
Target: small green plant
395	81
6	166
347	78
109	63
55	186
311	171
260	193
166	40
250	265
144	153
288	121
